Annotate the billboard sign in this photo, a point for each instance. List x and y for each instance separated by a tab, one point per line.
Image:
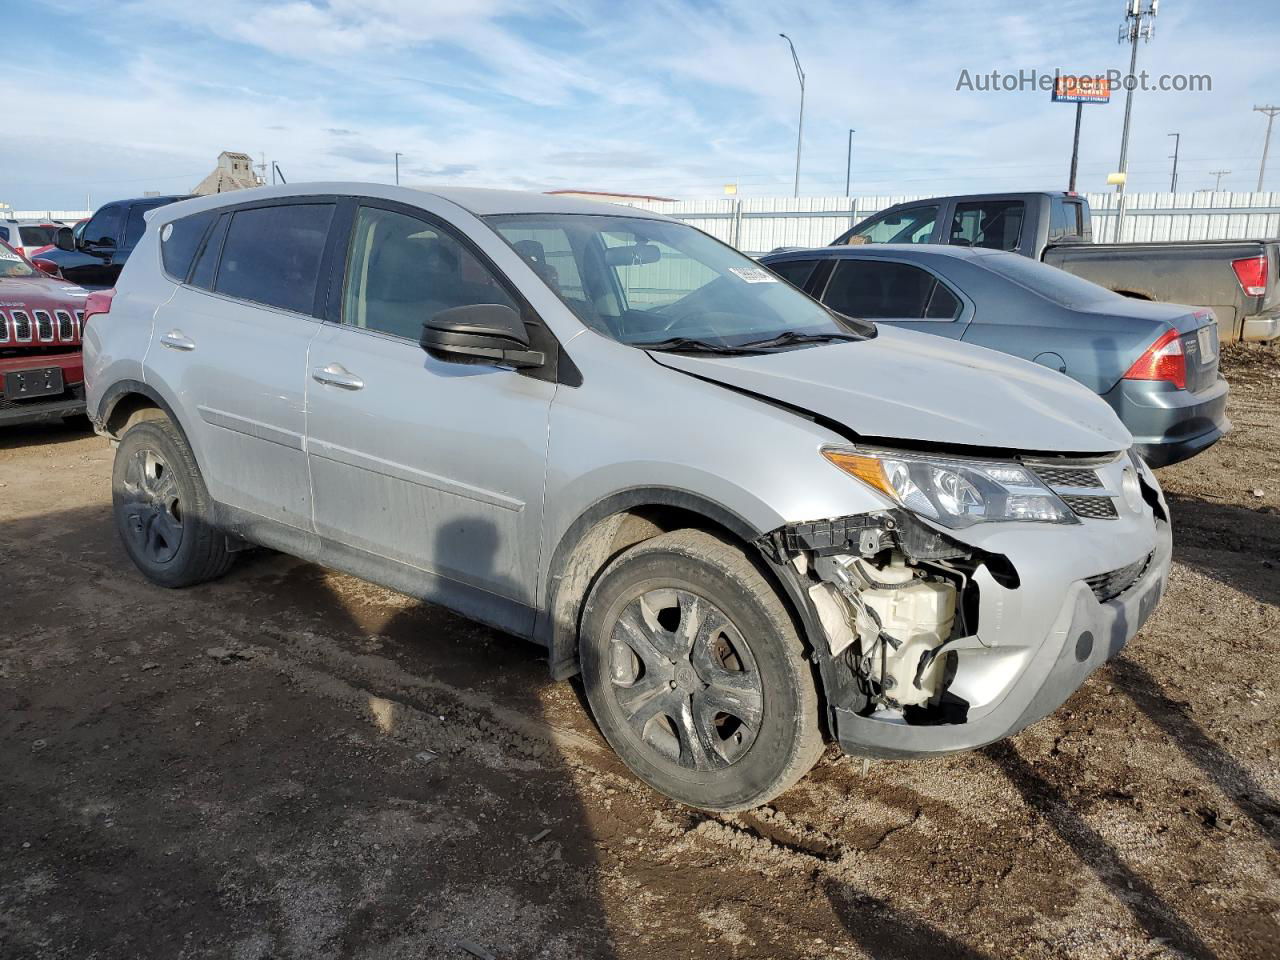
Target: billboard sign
1080	89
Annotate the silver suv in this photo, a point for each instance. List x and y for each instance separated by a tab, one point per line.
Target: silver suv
750	523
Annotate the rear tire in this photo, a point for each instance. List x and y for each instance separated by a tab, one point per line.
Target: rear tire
696	674
162	508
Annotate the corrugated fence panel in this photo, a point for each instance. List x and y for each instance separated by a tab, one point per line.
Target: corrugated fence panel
757	225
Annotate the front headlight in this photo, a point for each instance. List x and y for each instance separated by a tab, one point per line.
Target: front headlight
955	492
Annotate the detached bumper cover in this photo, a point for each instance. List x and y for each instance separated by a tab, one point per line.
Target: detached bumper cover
1037	642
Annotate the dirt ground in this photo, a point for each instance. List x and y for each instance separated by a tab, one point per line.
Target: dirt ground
290	763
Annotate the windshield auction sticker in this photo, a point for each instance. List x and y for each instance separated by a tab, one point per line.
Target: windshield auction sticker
754	274
7	254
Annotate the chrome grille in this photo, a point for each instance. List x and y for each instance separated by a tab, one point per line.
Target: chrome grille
1108	586
66	326
4	328
1067	476
44	326
1091	508
21	326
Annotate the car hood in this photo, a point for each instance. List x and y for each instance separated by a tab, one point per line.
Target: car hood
903	385
40	293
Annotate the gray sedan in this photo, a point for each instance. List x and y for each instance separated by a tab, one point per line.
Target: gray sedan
1156	364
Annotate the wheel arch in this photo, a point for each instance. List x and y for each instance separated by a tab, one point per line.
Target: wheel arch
123	399
622	520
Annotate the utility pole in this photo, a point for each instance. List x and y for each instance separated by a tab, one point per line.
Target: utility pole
1075	148
1218	174
800	125
1173	181
1138	25
398	156
1271	116
848	162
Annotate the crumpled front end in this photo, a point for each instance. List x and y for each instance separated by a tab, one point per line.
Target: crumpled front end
932	641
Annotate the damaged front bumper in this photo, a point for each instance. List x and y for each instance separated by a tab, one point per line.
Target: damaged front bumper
1039	608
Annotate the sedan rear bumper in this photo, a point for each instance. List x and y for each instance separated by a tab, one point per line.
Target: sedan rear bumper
1169	425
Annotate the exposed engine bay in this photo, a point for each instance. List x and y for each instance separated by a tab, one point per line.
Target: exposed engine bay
892	596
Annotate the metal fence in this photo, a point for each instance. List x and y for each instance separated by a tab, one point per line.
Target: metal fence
757	225
66	216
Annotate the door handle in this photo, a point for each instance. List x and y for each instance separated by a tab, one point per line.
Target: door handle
336	375
177	340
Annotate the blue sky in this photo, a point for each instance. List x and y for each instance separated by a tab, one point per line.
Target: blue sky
661	96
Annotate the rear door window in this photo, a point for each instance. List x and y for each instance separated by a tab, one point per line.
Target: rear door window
180	240
912	225
271	255
206	268
795	272
994	224
884	290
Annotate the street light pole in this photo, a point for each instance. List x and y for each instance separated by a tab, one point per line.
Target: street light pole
848	162
800	125
398	156
1266	144
1173	181
1132	30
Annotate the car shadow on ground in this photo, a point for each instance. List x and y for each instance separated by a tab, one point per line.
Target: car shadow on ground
287	767
1147	907
1203	531
1223	770
43	434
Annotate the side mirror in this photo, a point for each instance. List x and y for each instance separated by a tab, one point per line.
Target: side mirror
480	333
65	239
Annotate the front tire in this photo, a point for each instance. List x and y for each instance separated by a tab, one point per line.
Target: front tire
696	675
162	509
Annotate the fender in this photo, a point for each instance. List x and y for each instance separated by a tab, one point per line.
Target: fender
122	388
558	629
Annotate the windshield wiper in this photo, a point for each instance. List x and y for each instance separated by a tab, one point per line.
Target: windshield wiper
789	337
693	345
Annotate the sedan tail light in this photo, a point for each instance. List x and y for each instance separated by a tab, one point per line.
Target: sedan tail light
1252	274
1163	360
98	302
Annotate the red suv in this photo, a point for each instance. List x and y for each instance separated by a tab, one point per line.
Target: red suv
41	374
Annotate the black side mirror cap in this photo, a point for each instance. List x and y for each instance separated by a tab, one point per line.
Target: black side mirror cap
65	239
480	333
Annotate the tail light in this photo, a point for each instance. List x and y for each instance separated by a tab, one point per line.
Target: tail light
1252	274
47	267
98	302
1163	360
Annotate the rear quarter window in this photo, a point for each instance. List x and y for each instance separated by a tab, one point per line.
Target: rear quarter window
795	272
180	240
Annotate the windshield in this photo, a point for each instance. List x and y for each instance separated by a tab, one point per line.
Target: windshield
12	266
652	282
1051	283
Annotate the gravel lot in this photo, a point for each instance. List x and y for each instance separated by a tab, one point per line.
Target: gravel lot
290	763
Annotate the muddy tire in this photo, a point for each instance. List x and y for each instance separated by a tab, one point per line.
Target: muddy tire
696	675
162	508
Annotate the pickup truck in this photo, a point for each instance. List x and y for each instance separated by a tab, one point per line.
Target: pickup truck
1236	279
94	256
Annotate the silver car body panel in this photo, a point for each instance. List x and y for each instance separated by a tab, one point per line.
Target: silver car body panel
465	484
889	387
